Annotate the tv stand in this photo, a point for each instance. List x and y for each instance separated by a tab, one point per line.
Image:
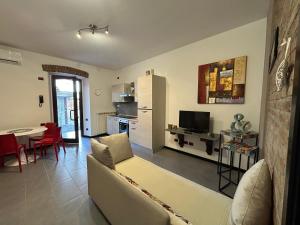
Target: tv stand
188	132
205	137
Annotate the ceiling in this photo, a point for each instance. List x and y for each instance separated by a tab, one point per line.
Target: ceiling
139	29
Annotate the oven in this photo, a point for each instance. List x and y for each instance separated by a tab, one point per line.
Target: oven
123	126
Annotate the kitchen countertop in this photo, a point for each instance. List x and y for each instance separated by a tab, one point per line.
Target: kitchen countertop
125	116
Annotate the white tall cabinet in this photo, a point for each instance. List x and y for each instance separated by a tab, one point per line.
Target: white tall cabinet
149	127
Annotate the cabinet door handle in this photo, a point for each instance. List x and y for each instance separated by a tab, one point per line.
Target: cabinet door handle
144	111
144	107
133	128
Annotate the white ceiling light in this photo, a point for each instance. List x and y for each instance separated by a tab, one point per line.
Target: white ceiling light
93	28
78	35
106	30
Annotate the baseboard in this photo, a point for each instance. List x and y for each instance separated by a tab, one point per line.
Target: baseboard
202	158
189	154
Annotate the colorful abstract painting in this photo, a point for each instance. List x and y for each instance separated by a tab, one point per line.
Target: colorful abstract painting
222	82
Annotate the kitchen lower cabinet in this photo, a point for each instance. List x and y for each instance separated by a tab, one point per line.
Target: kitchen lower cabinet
112	125
133	131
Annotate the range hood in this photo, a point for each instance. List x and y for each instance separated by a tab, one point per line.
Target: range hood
122	93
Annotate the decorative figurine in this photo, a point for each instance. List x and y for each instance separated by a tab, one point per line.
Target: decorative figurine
239	125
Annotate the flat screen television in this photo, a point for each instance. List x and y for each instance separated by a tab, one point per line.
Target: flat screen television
194	121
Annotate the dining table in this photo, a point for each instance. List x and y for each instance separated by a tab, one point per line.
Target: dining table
22	134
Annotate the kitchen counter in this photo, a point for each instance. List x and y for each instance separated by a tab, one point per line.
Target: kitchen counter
125	116
120	123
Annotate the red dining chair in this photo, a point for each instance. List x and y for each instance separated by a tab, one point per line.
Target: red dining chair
9	146
52	140
61	141
47	132
51	132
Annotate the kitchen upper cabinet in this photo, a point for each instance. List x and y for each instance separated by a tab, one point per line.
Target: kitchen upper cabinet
116	93
112	125
144	91
122	93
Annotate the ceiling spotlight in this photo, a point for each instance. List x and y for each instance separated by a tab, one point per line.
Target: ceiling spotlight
78	35
93	28
106	30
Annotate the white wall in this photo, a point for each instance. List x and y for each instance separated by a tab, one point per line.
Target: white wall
180	67
103	102
19	90
19	87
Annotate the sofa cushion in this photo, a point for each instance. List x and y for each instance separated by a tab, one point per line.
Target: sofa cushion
102	153
252	203
155	199
200	205
119	146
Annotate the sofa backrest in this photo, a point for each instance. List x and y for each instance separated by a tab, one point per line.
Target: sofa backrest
121	202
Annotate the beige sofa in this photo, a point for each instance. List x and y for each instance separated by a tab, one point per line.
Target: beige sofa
124	204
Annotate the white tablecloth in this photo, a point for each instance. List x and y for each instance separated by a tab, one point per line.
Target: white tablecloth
22	135
24	131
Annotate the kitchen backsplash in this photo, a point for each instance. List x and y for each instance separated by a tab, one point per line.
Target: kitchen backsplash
126	108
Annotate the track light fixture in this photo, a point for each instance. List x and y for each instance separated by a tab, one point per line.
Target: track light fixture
78	35
92	28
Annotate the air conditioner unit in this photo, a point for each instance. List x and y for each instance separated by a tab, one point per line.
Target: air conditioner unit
9	56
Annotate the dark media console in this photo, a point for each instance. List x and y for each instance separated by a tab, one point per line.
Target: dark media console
205	137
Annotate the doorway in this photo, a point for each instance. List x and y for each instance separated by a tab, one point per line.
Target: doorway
67	106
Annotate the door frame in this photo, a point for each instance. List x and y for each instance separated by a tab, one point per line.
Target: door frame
81	106
76	116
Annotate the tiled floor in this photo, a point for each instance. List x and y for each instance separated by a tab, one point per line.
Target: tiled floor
51	193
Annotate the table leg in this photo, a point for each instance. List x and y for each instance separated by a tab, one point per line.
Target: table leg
220	168
218	165
248	162
239	171
231	164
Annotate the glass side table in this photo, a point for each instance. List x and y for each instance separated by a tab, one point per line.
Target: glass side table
235	146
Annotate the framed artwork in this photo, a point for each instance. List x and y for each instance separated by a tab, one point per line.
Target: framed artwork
222	82
274	49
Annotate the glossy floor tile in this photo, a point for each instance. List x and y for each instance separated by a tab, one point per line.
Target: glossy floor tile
54	193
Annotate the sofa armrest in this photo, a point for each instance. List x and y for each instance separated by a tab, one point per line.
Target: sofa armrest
120	202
